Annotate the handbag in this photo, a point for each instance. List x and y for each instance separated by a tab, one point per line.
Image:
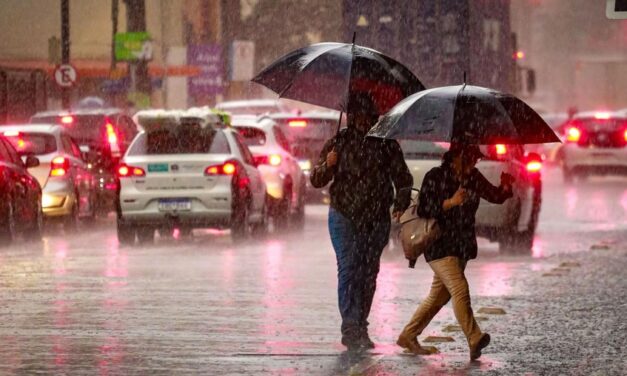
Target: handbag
417	234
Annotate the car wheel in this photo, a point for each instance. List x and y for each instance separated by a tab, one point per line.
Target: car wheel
240	221
35	232
522	241
567	175
8	229
145	234
260	229
126	233
71	221
298	218
283	210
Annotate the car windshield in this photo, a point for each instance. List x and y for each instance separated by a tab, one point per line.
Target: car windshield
307	129
423	149
252	136
251	110
83	128
180	141
33	143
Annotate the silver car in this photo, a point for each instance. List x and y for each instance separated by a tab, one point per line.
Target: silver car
68	186
513	223
188	176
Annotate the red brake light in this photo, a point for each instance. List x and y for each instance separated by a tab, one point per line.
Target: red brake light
228	168
500	149
625	135
112	137
573	134
272	160
67	119
602	115
59	166
125	171
11	133
297	123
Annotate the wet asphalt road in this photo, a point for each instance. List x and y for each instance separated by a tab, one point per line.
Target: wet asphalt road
81	304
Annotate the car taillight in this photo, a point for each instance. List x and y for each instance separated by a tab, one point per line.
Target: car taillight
126	171
272	160
500	149
297	123
228	168
67	119
11	133
625	135
112	136
59	166
573	134
534	166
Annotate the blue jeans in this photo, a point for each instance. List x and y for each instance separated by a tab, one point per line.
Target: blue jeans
358	253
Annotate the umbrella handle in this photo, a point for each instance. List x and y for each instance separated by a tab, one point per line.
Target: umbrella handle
339	123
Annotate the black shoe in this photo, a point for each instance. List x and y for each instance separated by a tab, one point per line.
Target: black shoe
365	341
351	342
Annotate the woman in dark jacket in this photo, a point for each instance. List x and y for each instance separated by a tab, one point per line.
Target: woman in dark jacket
450	193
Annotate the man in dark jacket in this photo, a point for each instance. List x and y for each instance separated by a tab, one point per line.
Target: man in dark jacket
368	175
450	193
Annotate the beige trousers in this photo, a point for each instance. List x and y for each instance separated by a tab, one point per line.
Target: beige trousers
449	281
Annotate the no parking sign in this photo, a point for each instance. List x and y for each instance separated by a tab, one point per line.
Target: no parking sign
65	75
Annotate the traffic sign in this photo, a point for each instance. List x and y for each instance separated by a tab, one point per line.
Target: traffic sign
65	75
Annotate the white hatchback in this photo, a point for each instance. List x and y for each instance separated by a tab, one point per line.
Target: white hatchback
188	176
513	223
596	143
284	178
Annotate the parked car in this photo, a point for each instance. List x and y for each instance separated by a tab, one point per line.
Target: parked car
596	143
253	107
20	196
306	134
103	136
513	223
68	185
186	176
284	178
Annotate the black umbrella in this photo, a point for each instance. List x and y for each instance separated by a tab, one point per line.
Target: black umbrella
466	114
329	74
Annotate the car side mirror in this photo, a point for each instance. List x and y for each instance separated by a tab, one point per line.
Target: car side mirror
31	161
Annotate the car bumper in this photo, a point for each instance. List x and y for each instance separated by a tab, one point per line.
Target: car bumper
577	157
207	209
57	199
274	179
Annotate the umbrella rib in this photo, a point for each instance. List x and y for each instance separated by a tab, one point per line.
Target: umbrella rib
289	85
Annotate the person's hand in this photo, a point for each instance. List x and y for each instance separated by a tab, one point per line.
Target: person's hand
331	158
506	179
397	216
459	197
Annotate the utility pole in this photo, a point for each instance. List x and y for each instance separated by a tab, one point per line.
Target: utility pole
65	47
136	22
114	27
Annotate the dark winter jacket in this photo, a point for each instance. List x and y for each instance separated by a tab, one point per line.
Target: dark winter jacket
368	173
458	237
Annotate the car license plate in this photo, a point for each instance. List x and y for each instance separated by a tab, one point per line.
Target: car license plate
158	167
175	204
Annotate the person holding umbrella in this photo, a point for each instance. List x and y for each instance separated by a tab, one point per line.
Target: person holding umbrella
464	116
367	176
450	193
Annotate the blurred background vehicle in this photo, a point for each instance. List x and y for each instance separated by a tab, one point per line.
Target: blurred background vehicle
306	134
68	187
185	176
513	223
285	181
596	143
254	107
20	196
103	136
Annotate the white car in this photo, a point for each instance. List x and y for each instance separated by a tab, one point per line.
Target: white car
68	185
513	223
596	143
284	178
188	176
253	107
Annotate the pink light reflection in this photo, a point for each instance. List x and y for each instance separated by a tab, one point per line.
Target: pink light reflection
571	202
537	250
493	279
384	310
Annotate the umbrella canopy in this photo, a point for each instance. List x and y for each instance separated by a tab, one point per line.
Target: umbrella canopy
465	114
332	75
